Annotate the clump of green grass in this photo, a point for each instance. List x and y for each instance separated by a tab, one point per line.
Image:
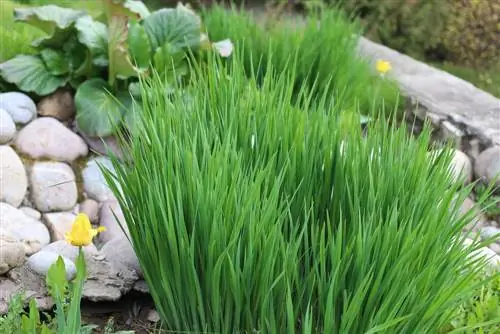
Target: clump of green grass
321	57
250	213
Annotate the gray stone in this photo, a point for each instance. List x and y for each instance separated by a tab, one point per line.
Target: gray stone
20	106
492	259
478	221
94	183
462	167
14	182
11	254
17	226
451	132
109	210
63	248
30	212
7	127
488	232
91	209
58	224
487	165
103	145
48	138
43	260
119	251
59	105
141	286
153	316
53	186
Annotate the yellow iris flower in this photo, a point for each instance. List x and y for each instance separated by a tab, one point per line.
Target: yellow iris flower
383	66
82	233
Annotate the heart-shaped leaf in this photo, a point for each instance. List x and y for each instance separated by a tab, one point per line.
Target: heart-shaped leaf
29	74
56	21
99	113
94	35
139	45
55	61
170	62
179	26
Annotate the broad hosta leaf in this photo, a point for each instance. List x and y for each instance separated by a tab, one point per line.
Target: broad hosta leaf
55	61
139	45
179	26
48	18
79	58
99	113
94	35
120	65
56	21
129	8
133	115
29	74
170	62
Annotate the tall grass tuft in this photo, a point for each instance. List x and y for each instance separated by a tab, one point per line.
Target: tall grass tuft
248	213
324	56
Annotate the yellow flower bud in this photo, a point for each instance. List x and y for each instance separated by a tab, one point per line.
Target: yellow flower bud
82	233
383	66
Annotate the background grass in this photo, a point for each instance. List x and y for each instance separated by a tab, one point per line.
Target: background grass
321	59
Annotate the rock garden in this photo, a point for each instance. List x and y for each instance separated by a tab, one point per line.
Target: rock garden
237	193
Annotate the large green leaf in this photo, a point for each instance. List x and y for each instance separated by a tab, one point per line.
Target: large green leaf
99	113
139	45
29	74
130	8
55	61
132	117
170	62
179	26
120	65
79	58
94	35
56	21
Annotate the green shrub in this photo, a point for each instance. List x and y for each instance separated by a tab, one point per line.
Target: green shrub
471	36
249	213
322	59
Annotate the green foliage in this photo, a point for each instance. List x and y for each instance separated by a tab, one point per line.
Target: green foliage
321	58
472	34
78	48
261	214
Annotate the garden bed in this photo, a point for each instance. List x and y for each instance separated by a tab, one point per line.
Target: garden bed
249	187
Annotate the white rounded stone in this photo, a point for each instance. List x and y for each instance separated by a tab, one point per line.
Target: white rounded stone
13	179
53	186
7	127
20	106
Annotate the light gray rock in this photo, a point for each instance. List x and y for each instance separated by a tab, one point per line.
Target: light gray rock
43	260
120	252
20	106
17	226
59	105
491	258
490	232
487	164
7	127
63	248
53	186
94	183
103	145
48	138
11	254
461	167
30	212
153	316
91	209
58	224
14	182
479	219
109	210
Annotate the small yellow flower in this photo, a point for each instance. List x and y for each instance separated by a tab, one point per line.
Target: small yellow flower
383	66
82	233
